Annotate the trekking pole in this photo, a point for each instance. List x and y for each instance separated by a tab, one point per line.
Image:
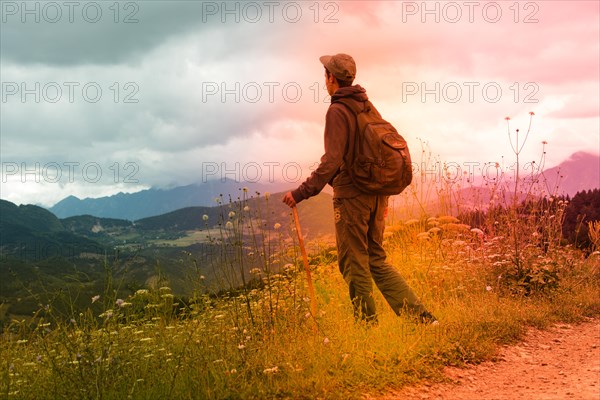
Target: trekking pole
311	289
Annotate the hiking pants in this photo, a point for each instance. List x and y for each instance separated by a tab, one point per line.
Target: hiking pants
359	226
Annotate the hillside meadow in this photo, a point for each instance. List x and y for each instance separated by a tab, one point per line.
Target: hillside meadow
257	338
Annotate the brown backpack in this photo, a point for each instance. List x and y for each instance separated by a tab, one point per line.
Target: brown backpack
377	160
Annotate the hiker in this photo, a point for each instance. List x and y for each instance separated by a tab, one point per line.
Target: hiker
359	216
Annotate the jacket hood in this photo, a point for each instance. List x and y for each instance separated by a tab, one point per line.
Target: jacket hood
355	92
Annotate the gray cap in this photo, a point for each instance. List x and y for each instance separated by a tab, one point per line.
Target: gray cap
341	65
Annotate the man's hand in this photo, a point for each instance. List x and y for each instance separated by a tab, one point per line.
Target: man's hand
289	200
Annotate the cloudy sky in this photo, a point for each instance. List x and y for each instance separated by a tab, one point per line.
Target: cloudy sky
101	97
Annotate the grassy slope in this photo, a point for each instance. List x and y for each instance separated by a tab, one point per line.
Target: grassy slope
220	353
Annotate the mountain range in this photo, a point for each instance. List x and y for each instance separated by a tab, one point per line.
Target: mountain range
580	172
154	201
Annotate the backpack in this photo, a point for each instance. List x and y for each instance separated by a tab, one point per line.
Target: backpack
378	160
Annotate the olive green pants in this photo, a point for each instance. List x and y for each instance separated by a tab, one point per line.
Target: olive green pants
359	226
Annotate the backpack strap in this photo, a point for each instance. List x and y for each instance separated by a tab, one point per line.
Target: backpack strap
355	106
353	145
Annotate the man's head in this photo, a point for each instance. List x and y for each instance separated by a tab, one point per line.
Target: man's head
340	70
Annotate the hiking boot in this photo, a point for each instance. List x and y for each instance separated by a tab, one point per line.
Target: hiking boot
427	318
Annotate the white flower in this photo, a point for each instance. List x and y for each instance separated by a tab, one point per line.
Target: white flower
246	208
241	346
277	225
488	288
141	291
95	298
326	341
205	217
273	370
231	214
119	302
229	225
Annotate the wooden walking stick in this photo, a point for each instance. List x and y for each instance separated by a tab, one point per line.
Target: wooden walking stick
311	289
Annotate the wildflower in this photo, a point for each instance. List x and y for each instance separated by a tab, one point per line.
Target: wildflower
229	225
488	288
120	302
434	230
288	267
277	225
165	289
233	371
205	217
246	208
448	219
231	214
241	346
141	291
531	113
273	370
423	236
95	298
326	341
477	231
202	277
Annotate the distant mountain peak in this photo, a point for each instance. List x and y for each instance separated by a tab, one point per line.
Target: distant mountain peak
156	201
581	171
583	155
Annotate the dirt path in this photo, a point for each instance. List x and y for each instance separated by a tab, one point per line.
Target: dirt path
560	363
